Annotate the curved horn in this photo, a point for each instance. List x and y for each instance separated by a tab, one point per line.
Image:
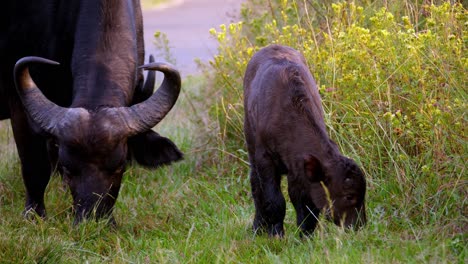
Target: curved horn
148	88
41	110
145	88
145	115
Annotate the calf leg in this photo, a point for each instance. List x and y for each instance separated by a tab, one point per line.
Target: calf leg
270	206
306	212
35	166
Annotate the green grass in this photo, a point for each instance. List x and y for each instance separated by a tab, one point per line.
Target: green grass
200	210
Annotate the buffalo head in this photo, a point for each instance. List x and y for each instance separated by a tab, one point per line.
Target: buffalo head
339	189
92	145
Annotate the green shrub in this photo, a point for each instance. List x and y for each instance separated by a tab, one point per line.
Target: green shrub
393	85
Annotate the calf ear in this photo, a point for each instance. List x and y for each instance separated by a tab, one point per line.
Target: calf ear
313	169
318	191
319	195
152	150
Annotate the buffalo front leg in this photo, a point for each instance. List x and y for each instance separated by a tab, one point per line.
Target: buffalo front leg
270	206
306	212
35	166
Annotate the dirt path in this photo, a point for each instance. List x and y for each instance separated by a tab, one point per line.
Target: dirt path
187	24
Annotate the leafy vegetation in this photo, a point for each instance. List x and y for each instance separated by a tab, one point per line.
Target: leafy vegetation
392	80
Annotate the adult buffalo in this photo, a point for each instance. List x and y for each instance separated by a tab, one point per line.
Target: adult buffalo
92	111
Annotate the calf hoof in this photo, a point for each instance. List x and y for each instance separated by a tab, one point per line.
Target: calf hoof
31	212
108	219
273	230
305	233
276	231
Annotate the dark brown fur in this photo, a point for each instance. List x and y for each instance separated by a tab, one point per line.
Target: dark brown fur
286	134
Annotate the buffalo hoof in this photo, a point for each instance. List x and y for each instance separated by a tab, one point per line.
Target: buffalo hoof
110	220
33	212
273	230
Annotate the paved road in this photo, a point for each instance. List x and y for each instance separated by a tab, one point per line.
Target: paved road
187	24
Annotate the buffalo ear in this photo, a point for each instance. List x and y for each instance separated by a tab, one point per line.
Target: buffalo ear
318	194
315	175
313	169
152	150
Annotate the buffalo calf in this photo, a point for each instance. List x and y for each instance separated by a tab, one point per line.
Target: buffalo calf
286	134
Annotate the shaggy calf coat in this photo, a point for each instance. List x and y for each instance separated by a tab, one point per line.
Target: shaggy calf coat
286	134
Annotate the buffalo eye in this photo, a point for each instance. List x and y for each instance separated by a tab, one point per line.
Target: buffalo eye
350	199
68	173
348	182
65	170
117	169
120	170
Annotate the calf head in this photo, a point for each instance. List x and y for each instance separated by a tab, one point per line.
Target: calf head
92	145
338	187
